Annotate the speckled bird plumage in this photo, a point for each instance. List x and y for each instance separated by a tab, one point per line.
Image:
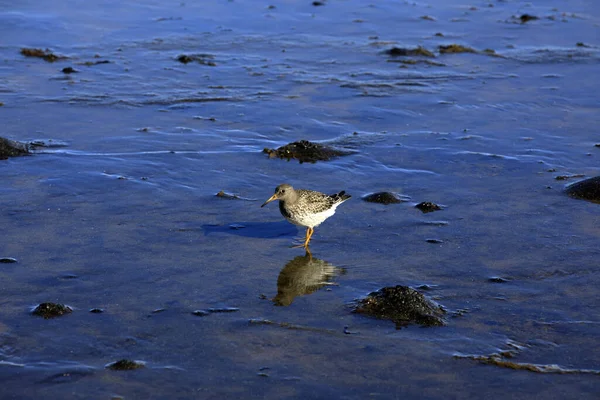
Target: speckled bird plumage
306	208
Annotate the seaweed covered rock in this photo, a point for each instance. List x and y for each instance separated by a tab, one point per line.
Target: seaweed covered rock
383	198
51	310
402	305
587	189
10	148
305	151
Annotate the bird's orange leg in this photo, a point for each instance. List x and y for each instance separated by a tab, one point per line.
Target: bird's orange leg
309	233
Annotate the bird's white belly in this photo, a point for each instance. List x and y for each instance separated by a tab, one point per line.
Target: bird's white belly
312	220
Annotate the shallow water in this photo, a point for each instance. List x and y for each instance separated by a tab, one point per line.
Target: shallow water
119	211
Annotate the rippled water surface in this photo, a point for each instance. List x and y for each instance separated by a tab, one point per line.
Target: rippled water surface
118	210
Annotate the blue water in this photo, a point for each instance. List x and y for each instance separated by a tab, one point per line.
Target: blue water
119	210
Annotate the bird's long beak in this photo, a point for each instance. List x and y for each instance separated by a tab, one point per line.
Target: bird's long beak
274	197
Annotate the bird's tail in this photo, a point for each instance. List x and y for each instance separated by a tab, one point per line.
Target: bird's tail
341	196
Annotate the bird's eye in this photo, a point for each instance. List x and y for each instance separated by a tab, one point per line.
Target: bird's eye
282	191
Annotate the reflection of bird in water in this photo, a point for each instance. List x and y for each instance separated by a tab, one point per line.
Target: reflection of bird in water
303	275
306	207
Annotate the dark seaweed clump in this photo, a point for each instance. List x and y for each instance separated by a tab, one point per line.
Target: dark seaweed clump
382	198
587	189
10	148
305	151
39	53
404	52
125	365
427	206
51	310
403	305
455	48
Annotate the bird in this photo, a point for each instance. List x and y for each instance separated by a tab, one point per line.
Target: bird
306	208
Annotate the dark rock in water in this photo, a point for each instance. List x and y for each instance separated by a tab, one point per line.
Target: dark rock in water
403	305
69	70
383	198
204	59
51	310
200	313
96	310
404	52
10	148
527	17
427	206
305	151
7	260
125	365
587	189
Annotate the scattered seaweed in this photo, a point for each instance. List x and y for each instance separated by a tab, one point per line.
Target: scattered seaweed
500	360
402	305
46	55
406	52
305	151
455	48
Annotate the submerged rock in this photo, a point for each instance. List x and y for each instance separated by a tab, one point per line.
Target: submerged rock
125	365
10	148
305	151
51	310
402	305
587	189
383	198
427	206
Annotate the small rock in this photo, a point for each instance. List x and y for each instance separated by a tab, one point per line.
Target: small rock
200	313
7	260
427	206
51	310
527	17
125	365
383	198
69	70
434	241
498	279
96	310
